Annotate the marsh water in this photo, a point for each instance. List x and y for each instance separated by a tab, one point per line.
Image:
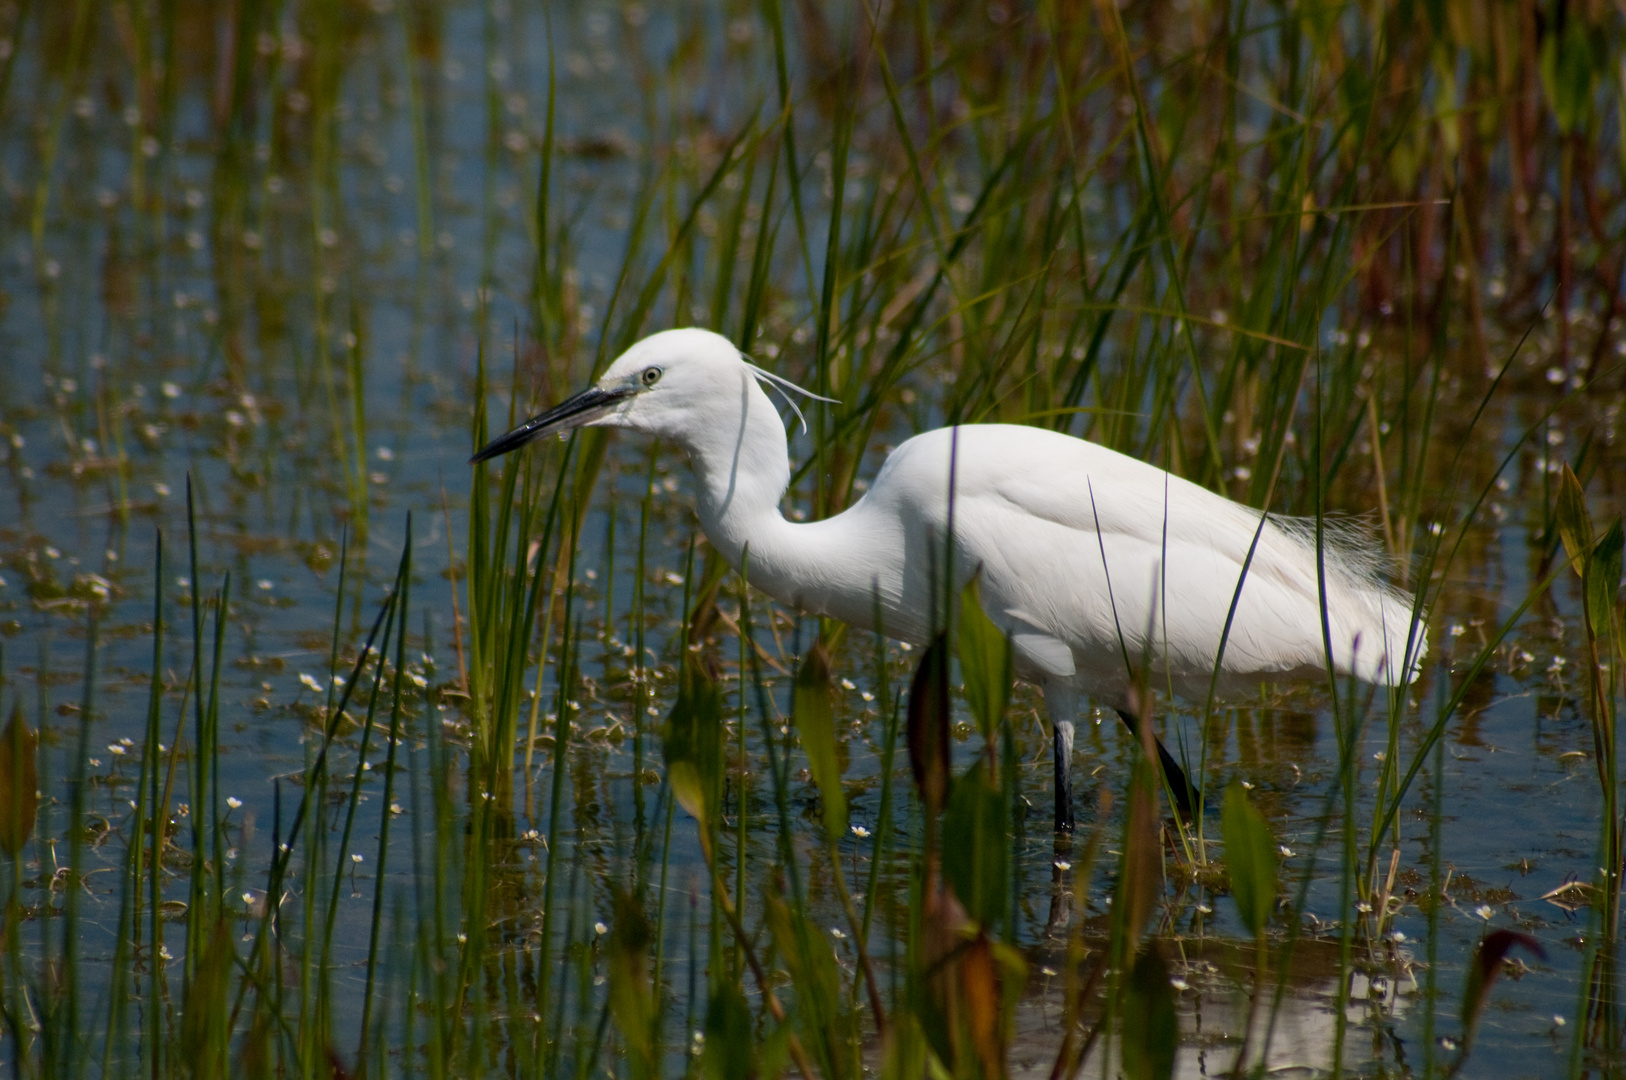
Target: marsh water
270	271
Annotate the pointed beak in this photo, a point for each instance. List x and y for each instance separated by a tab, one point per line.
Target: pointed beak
575	412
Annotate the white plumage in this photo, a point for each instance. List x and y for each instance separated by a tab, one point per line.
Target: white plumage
1093	562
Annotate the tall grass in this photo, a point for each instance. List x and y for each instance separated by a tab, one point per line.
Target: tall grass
1327	262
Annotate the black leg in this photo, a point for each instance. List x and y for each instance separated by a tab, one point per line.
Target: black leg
1061	748
1185	795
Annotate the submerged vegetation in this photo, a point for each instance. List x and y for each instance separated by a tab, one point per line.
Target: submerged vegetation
327	754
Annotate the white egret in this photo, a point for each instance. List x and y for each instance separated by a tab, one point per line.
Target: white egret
1093	563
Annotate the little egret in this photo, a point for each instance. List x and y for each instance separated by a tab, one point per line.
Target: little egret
1093	563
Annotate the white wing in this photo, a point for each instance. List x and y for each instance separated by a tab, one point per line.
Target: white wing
1126	564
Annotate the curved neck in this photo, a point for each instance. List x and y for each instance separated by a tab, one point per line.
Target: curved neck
742	466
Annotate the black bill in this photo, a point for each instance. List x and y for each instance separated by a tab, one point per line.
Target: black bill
584	408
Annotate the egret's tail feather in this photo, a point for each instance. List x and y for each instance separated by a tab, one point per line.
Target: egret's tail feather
1376	635
1389	649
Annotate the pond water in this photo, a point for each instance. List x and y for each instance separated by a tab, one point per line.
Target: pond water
262	270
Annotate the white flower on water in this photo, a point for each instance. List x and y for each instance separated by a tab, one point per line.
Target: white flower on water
310	681
234	802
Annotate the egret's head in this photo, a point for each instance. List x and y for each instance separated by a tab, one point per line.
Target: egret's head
668	384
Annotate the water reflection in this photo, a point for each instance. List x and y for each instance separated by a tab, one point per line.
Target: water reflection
1295	1036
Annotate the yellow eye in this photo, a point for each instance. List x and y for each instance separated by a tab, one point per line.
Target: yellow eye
651	376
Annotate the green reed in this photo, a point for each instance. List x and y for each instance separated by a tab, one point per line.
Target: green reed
1147	229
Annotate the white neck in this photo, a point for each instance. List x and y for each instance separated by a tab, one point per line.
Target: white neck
741	464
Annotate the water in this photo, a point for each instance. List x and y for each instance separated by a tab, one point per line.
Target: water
278	291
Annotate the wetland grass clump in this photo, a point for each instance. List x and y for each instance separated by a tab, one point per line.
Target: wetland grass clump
557	793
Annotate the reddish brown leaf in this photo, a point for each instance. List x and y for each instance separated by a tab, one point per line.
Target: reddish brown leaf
1482	972
1141	878
929	726
19	783
979	982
